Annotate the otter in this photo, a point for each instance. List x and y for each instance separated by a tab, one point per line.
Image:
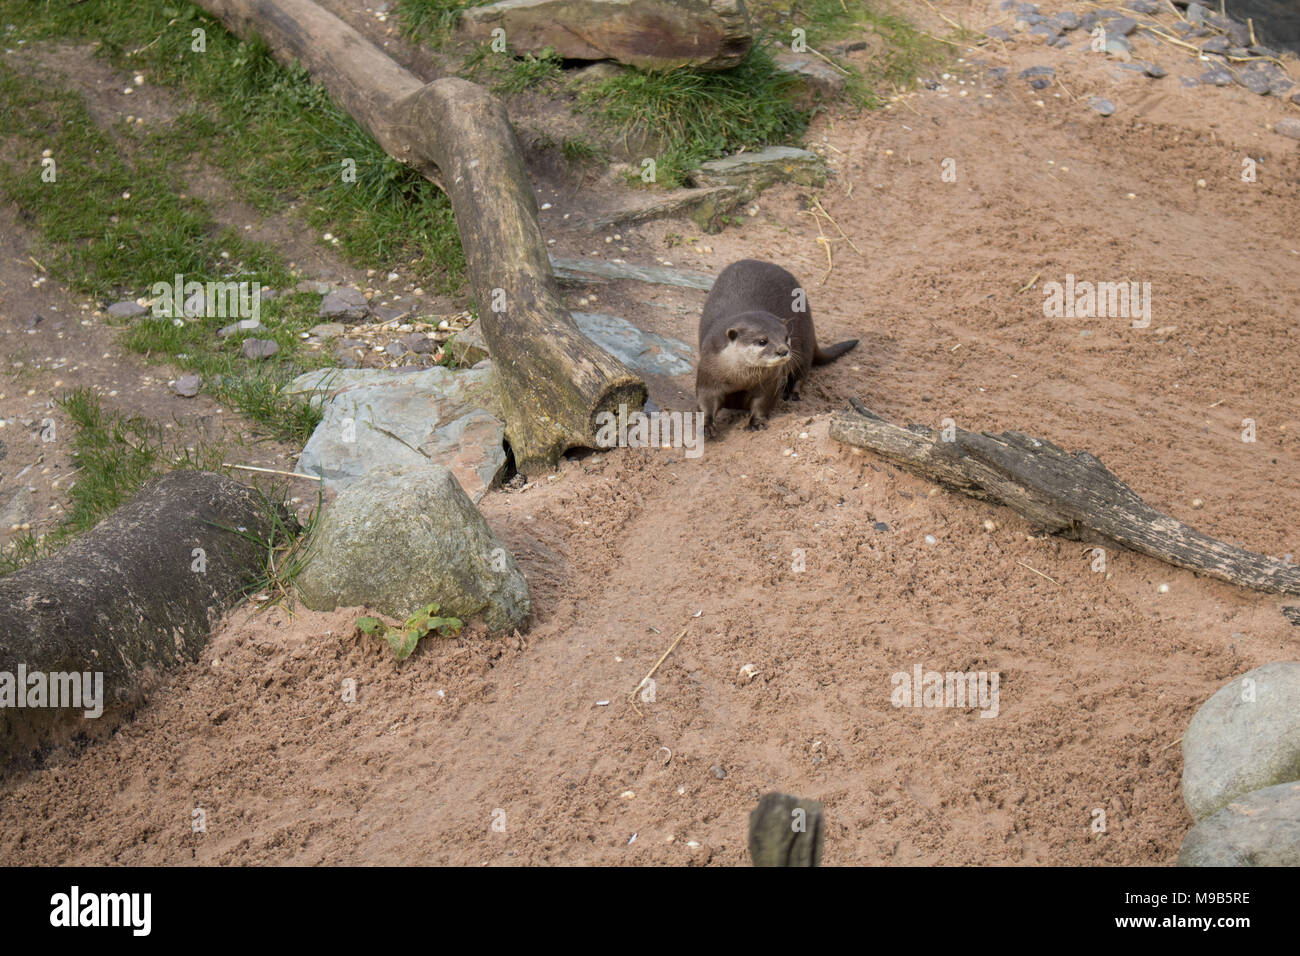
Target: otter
756	343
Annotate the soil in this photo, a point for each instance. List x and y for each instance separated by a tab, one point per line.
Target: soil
532	748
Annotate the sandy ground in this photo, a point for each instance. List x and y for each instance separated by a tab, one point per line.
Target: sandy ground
527	749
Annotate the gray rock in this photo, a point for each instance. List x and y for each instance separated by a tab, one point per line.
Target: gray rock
1217	76
1123	26
467	346
1118	46
1280	86
389	313
345	305
1288	127
1144	7
1235	745
997	33
395	349
1034	71
594	270
815	72
1103	106
1295	97
1046	31
33	320
243	325
20	509
258	348
403	537
126	310
1154	70
1065	20
374	417
1060	42
1216	45
1256	80
754	172
329	330
639	350
187	386
1237	33
318	286
1189	81
345	359
1260	828
1197	14
417	342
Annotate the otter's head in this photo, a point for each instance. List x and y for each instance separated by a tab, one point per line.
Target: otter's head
757	340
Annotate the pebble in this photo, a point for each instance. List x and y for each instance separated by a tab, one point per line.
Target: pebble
718	772
1288	127
126	310
1123	26
33	320
881	526
1217	75
1216	45
747	674
1256	80
1103	106
1144	7
1037	71
1065	20
259	348
187	386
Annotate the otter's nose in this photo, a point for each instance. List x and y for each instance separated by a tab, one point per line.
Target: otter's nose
782	352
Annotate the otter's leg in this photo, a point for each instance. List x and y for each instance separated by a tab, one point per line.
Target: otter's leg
792	387
761	403
709	403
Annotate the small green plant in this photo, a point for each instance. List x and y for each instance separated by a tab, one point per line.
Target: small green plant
581	151
283	546
403	639
528	71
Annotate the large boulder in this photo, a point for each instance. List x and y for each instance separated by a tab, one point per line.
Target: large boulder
650	34
400	538
129	600
375	417
1245	737
1261	828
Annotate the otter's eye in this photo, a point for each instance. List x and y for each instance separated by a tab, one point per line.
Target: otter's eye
762	341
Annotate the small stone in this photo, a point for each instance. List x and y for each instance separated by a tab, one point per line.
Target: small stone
390	313
1255	80
395	349
746	675
1040	83
1288	127
1154	70
243	325
126	310
1144	7
1217	76
718	772
346	305
1216	45
996	32
1065	20
881	526
417	342
1197	503
1123	26
329	330
1044	30
1189	81
259	348
1037	71
187	386
1197	14
1119	47
1103	106
33	320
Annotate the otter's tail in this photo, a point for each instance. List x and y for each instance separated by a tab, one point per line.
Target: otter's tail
831	353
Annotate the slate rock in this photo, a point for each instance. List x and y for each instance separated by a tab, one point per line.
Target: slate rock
1033	71
1217	76
1123	26
329	330
1288	127
1244	738
1065	20
187	386
258	348
1259	828
417	342
405	536
1144	7
345	305
1254	79
997	33
1103	106
126	310
1197	14
1215	45
373	417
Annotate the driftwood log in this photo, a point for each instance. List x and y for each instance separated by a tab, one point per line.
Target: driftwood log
553	379
1073	495
130	600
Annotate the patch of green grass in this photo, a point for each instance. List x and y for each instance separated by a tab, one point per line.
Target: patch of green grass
267	127
283	548
115	455
432	21
529	71
581	151
698	115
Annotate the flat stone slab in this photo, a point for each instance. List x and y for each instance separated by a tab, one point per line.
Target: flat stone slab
597	271
377	417
639	350
755	171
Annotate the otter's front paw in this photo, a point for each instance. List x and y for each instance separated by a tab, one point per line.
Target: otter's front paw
754	426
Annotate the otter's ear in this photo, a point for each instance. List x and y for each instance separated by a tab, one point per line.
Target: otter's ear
731	334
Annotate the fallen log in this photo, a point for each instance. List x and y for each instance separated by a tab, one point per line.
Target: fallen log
1073	495
129	600
553	380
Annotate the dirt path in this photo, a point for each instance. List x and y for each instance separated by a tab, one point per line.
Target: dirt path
1100	673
